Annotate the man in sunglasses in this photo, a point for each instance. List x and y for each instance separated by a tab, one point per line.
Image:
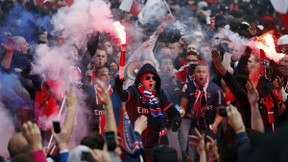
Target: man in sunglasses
96	113
146	97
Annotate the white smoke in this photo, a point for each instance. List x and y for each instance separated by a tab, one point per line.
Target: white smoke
74	24
234	37
6	131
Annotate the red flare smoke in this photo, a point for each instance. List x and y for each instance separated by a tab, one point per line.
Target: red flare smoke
120	30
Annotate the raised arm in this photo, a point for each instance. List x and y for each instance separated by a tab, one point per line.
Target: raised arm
118	87
71	103
9	47
236	122
32	134
228	78
253	97
278	84
110	124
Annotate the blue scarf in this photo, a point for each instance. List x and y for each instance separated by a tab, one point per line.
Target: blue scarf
149	97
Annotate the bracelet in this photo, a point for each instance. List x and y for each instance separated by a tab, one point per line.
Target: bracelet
110	115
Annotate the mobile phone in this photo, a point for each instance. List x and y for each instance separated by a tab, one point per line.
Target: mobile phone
86	156
56	125
222	111
110	140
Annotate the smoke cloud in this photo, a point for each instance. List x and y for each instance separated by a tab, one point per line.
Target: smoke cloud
23	23
6	131
73	23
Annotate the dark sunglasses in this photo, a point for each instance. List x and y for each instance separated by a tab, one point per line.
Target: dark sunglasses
148	78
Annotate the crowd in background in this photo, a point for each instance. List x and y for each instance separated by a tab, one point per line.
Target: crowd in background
218	49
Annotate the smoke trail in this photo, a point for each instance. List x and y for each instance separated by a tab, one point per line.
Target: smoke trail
73	23
83	17
234	37
23	23
80	129
6	131
13	96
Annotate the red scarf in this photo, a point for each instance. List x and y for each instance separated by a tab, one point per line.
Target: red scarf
200	96
102	118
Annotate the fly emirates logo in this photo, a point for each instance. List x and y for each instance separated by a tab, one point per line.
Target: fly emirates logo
141	110
99	112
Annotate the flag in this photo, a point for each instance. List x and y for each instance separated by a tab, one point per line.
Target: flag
132	6
129	143
154	10
281	6
284	18
54	4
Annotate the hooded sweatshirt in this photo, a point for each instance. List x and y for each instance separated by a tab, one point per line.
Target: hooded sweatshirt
155	133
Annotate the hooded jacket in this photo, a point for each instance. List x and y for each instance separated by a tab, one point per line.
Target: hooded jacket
148	68
135	108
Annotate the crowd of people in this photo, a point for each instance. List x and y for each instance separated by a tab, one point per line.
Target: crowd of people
203	81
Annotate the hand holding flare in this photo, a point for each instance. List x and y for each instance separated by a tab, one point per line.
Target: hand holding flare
122	36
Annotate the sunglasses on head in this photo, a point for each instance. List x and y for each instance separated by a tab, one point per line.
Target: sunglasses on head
105	73
148	78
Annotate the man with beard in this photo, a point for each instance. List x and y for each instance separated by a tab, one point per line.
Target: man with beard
202	99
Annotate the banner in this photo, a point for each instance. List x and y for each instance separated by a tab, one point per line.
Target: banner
130	144
132	6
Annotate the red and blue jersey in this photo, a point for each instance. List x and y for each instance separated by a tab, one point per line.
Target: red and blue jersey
156	122
205	115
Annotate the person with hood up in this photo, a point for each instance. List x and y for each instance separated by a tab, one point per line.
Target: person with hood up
146	97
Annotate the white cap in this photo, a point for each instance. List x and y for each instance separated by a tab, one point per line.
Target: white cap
245	23
283	40
261	27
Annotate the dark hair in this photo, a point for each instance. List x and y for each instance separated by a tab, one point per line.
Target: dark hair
165	57
192	53
163	153
93	141
100	67
2	159
100	47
